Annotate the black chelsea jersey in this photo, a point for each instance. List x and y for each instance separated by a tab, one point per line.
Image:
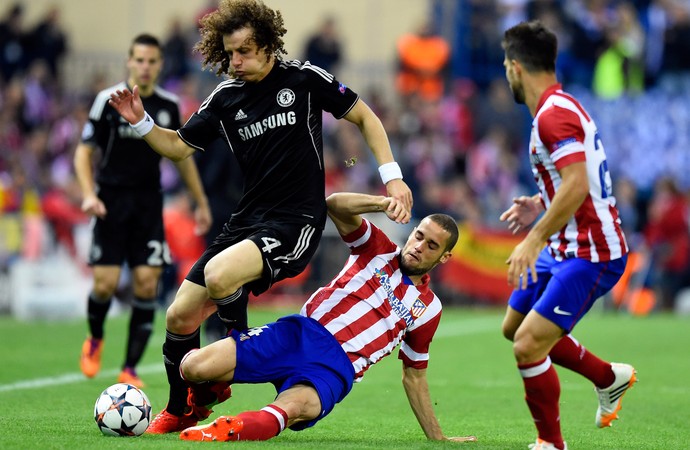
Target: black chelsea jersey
126	159
274	128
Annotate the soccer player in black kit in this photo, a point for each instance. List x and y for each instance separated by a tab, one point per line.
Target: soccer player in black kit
269	113
126	200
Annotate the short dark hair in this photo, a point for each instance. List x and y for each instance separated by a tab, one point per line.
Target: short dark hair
232	15
448	224
144	39
533	45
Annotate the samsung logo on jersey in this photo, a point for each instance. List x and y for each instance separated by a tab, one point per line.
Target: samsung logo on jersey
270	122
396	304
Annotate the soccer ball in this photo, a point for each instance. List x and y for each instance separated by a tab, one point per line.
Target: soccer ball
122	410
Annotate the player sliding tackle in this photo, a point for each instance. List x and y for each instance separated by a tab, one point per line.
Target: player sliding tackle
380	299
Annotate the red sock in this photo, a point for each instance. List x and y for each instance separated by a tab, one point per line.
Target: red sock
569	353
262	425
542	392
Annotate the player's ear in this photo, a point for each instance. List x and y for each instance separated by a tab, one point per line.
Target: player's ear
446	256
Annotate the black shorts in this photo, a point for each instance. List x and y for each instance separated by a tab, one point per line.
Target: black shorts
286	249
132	230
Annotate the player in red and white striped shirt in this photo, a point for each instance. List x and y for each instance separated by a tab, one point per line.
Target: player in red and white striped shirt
381	298
586	251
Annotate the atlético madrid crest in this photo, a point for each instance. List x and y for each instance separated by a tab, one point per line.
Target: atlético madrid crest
418	308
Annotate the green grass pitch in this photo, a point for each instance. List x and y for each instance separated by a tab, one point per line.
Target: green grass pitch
45	402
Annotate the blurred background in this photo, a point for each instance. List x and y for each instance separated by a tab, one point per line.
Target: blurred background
456	131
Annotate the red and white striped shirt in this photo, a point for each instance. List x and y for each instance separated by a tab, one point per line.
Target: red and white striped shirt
562	134
370	306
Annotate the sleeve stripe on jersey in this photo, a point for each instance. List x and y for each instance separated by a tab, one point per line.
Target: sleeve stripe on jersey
414	356
220	87
349	109
307	65
102	100
365	237
187	142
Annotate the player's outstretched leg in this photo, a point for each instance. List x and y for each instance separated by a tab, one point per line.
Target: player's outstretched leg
247	426
611	397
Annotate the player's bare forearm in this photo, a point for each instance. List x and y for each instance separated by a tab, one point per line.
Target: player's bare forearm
83	169
168	143
571	194
163	141
417	390
345	209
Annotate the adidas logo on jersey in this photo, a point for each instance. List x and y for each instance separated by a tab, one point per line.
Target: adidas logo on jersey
240	115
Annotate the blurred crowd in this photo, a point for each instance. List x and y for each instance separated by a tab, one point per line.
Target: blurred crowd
452	121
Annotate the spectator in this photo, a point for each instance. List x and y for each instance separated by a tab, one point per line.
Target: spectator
669	240
324	48
13	43
48	42
620	68
175	55
423	59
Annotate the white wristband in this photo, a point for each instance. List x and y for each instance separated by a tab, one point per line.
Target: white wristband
390	171
144	126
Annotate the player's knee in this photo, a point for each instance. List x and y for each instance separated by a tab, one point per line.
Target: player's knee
190	367
524	350
178	322
146	290
103	288
218	282
508	332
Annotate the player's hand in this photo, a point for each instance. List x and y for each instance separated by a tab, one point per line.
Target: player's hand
522	262
128	104
94	206
399	190
522	213
203	220
395	210
462	439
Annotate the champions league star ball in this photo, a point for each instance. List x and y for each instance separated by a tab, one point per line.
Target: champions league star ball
122	410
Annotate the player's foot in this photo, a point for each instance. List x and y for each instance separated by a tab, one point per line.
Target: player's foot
544	445
204	396
224	428
610	398
129	376
90	361
164	422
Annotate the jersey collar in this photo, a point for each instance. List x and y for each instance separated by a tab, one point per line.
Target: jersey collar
547	93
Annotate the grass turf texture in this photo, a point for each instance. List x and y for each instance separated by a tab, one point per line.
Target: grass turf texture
46	403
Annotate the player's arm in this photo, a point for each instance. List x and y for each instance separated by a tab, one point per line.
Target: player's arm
83	168
375	135
165	142
202	213
567	200
417	390
569	197
345	209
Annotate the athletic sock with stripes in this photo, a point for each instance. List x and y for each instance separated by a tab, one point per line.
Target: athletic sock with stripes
262	425
232	310
542	393
174	349
569	353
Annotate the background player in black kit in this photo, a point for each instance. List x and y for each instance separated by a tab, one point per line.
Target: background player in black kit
269	113
128	206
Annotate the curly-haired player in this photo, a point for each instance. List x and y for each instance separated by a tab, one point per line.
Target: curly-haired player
270	114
